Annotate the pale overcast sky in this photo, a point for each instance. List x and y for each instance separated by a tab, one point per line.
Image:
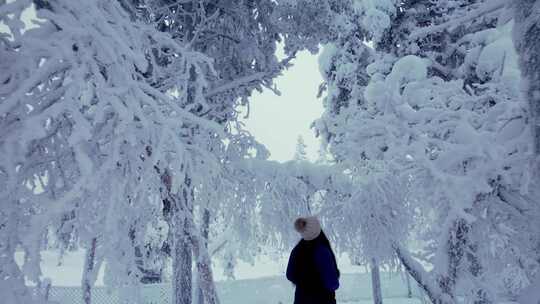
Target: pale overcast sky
276	121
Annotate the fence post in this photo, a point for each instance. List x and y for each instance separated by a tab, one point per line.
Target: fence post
409	290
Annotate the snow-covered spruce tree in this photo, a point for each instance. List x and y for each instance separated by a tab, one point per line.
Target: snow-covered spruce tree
490	75
300	153
84	127
376	203
442	107
334	22
212	28
342	64
247	33
285	18
241	39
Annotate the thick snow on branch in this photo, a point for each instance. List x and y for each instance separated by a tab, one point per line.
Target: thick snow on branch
445	115
485	8
84	125
235	84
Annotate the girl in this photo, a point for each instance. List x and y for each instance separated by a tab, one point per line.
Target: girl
312	265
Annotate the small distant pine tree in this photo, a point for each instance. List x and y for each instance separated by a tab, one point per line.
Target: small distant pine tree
300	154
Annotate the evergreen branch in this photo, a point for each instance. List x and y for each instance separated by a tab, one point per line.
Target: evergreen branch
426	31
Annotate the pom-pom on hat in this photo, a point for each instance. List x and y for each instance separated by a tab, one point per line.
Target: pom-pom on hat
308	227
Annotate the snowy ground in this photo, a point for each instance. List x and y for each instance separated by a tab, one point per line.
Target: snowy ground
67	271
261	283
355	289
386	301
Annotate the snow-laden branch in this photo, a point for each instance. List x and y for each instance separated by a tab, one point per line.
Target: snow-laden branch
258	77
236	84
79	104
490	7
318	176
422	278
217	244
9	7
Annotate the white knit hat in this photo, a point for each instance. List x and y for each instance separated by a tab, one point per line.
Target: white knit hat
308	227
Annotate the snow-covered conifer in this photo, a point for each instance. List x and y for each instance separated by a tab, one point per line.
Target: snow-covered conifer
300	153
442	108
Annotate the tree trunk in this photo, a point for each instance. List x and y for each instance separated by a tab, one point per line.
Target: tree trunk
477	271
444	291
176	211
204	234
376	282
182	263
455	248
89	264
45	289
204	273
527	42
12	286
409	289
422	278
183	275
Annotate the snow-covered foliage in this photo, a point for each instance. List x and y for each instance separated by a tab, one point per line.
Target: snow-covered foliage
119	122
119	133
374	220
282	192
86	122
376	16
438	104
300	153
527	40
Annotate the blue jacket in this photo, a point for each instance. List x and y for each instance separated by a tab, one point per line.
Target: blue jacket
313	270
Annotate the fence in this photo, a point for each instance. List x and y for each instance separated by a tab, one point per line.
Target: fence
271	290
150	294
